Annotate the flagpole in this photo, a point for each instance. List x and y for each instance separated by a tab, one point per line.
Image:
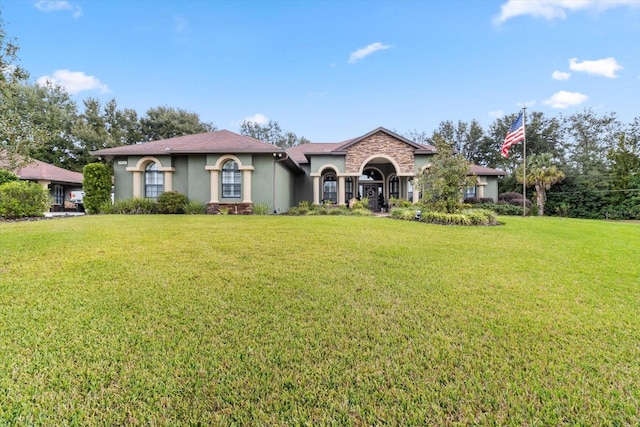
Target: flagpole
524	164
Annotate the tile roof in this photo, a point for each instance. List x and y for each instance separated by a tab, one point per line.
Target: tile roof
37	170
481	170
221	141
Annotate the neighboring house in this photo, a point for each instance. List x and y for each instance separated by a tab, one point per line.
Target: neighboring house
227	170
60	183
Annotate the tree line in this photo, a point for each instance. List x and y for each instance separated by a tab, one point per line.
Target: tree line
597	154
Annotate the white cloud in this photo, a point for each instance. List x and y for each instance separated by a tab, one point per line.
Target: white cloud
564	99
48	6
496	114
554	9
74	81
560	75
606	67
259	119
366	51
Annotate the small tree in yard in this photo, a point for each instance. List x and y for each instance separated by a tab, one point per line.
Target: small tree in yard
443	182
542	174
96	186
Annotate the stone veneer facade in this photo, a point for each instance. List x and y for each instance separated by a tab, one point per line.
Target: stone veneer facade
380	143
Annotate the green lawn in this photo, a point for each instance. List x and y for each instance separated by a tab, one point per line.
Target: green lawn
262	320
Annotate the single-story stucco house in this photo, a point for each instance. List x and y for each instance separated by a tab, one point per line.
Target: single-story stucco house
60	183
225	169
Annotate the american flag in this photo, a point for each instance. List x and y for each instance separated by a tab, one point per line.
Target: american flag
515	135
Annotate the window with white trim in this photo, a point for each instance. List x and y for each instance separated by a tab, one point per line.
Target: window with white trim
394	187
153	181
58	195
348	188
470	192
330	188
231	180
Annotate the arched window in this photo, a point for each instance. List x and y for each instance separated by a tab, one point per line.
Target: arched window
153	181
394	187
330	188
231	186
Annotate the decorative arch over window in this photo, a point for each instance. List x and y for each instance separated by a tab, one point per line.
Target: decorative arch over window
231	180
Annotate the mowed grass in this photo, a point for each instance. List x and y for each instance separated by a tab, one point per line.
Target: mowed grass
183	320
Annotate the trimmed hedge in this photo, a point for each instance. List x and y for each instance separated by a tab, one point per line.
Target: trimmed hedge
172	202
464	217
97	186
21	199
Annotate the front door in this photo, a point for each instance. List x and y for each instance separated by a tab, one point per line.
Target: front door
373	192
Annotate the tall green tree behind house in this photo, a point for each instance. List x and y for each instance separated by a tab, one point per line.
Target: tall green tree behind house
443	182
271	133
58	113
21	130
167	122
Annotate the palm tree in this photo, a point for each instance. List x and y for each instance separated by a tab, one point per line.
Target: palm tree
542	174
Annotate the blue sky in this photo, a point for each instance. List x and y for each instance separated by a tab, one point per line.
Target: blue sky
334	70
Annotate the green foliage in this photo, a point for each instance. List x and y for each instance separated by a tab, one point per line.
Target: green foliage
399	203
260	209
97	186
442	183
195	208
502	208
133	206
20	199
172	202
306	208
167	122
7	176
271	133
464	217
541	173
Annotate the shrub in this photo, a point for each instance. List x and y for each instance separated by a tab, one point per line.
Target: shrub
360	212
97	186
7	176
399	203
172	202
486	200
501	208
195	208
20	199
471	200
260	209
481	216
509	195
134	206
